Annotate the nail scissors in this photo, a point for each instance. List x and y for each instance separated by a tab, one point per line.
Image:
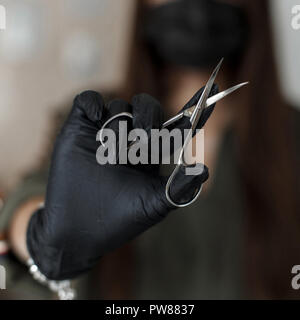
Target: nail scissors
194	114
186	113
194	119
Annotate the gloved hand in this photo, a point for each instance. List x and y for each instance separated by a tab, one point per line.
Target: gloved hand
91	209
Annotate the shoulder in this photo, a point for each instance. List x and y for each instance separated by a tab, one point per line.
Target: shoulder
295	117
295	127
295	112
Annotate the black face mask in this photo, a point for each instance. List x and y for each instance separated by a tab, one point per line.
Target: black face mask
196	33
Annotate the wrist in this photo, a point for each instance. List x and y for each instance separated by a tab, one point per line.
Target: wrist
18	227
62	288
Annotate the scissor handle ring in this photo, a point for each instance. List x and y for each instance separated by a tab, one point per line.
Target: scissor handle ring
119	115
168	196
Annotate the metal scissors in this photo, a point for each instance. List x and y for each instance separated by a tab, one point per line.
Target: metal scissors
194	114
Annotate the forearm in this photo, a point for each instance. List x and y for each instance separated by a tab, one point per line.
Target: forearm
18	227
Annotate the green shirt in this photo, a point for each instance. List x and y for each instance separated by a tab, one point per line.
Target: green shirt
195	252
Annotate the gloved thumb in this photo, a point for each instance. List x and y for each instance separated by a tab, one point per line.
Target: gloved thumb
184	184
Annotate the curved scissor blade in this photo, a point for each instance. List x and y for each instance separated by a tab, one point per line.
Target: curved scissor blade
202	101
223	94
217	97
195	117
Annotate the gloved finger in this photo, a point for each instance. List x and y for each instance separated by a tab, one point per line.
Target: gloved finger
78	135
118	118
114	108
117	106
88	108
207	111
147	113
184	122
185	184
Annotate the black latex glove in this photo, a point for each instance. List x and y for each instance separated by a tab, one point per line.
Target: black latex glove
91	209
184	123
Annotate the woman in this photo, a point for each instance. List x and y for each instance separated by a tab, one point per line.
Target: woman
240	239
246	225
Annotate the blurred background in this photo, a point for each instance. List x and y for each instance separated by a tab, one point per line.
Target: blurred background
53	50
50	51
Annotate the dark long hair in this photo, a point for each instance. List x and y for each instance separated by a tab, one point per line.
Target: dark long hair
265	152
267	161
